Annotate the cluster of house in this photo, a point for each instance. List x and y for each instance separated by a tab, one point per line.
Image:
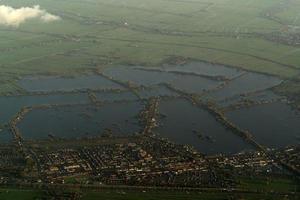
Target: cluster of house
148	161
10	160
247	163
290	158
292	39
152	161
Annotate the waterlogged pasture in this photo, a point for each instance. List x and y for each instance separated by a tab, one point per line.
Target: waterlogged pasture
82	121
273	125
9	106
187	124
118	107
65	84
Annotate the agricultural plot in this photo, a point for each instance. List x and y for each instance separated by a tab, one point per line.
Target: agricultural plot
261	36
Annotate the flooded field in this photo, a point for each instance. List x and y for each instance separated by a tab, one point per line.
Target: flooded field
245	98
147	77
9	106
194	84
273	125
82	121
206	69
256	97
156	91
48	84
185	123
137	76
247	83
115	96
5	136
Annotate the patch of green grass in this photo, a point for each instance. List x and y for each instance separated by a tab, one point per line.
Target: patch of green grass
76	179
173	195
19	194
269	184
108	194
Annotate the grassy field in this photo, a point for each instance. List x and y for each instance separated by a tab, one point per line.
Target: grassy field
267	188
17	194
8	194
94	33
269	184
176	196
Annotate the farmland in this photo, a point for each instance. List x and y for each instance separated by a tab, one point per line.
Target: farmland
254	35
131	194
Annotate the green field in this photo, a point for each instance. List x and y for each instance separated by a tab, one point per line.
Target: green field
175	196
96	33
26	194
267	188
269	184
19	194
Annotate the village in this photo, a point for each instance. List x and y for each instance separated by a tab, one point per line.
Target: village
143	161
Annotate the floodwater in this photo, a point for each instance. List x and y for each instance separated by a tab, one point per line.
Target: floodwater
185	123
81	121
147	78
194	84
53	83
247	83
206	69
156	91
262	96
5	136
9	106
111	96
273	125
139	77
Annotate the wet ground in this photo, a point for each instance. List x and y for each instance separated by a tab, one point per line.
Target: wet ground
245	97
185	123
9	106
116	96
206	69
273	125
82	121
53	83
5	136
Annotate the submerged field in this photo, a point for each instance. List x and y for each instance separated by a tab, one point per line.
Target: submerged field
192	98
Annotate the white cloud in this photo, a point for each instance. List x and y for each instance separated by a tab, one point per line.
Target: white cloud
49	17
10	16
